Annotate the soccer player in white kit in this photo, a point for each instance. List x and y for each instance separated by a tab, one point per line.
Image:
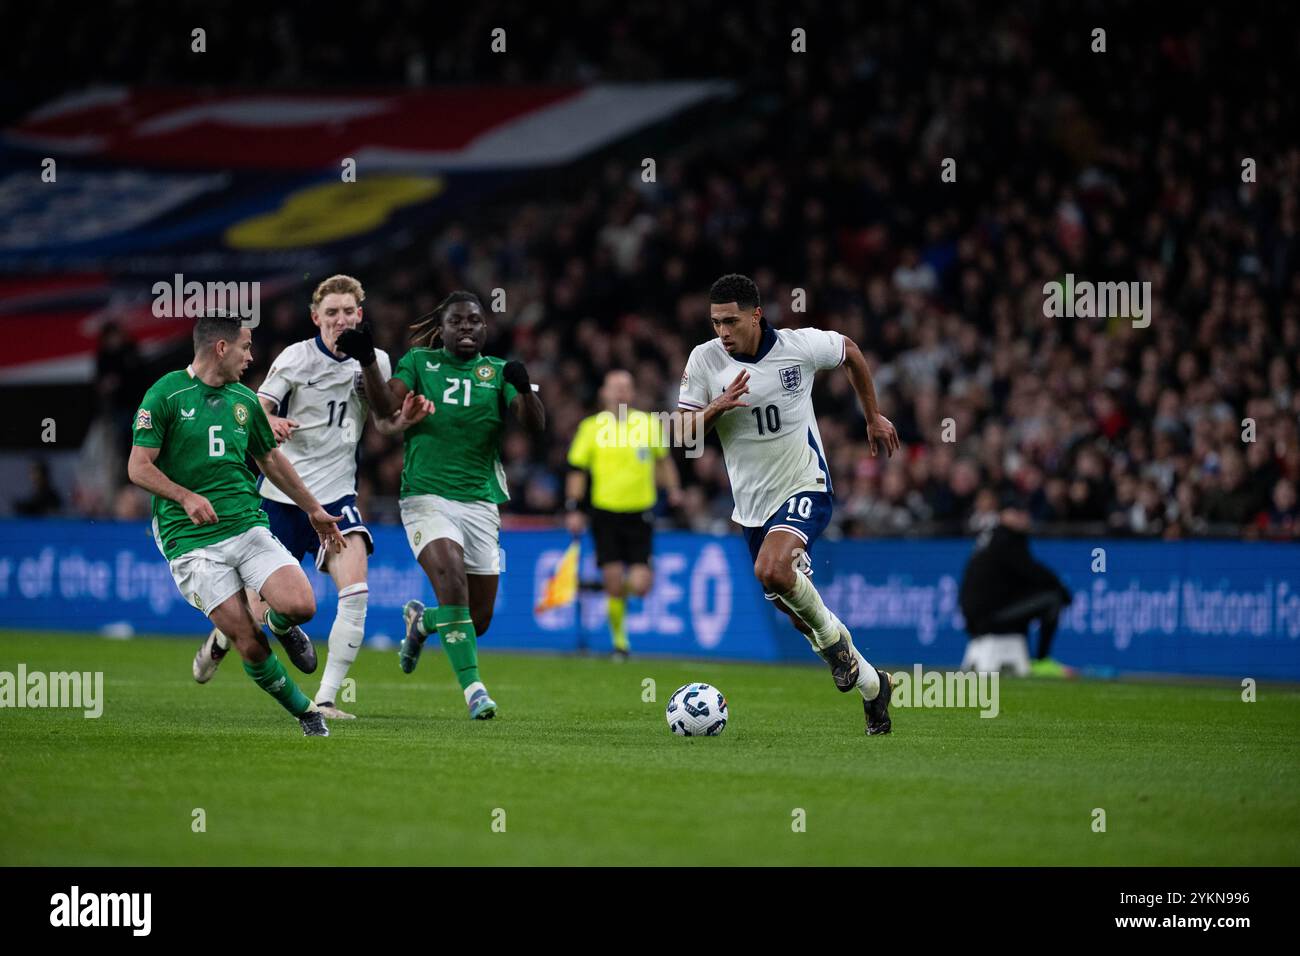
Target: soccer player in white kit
777	464
317	396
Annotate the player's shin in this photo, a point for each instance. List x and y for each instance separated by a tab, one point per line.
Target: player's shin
271	676
826	634
460	641
807	604
345	640
868	677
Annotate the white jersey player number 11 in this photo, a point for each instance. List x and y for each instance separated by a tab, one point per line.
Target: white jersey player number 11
321	392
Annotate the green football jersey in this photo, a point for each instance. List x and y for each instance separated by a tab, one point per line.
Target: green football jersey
204	434
456	451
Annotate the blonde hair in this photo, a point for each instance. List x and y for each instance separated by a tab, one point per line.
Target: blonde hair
344	285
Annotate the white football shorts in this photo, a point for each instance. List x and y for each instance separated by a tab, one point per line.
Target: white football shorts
474	525
207	576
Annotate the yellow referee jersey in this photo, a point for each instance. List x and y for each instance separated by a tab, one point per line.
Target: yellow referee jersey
621	456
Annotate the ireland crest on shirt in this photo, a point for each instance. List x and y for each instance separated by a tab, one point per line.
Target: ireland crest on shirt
791	378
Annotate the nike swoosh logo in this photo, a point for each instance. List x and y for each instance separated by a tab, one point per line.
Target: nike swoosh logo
354	645
315	383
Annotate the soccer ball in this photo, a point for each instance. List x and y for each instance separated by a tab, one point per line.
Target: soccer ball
697	710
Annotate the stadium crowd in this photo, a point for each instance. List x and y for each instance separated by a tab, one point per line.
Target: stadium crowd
822	180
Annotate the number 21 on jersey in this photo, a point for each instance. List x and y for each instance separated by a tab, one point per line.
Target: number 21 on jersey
453	386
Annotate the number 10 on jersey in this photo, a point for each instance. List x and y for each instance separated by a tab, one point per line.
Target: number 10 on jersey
771	414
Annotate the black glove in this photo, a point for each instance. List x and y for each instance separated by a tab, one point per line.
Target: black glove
358	344
517	376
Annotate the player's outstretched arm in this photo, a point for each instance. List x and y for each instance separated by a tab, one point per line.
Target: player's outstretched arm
358	343
142	471
282	474
527	404
692	425
281	428
415	408
880	430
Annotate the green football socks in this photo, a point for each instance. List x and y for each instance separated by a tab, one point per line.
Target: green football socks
270	675
456	631
278	623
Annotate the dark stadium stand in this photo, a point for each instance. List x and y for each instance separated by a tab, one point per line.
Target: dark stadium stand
822	174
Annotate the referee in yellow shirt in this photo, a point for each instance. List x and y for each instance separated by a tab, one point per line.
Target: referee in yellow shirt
626	455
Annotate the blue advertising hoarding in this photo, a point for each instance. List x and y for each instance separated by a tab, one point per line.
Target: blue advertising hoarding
1211	608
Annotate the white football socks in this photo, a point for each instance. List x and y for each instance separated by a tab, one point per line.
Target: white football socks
807	605
804	600
346	635
868	679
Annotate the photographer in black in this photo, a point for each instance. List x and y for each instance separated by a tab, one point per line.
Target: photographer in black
1004	588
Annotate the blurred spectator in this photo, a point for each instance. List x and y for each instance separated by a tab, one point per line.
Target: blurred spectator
1282	518
119	378
101	466
43	500
130	504
1230	498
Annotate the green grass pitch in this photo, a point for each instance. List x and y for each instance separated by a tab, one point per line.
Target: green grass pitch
588	773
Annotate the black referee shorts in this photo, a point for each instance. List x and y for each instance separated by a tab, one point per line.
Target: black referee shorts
622	536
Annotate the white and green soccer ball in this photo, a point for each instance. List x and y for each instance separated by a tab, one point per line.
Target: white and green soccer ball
697	710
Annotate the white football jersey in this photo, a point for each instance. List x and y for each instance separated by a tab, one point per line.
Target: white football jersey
322	393
772	447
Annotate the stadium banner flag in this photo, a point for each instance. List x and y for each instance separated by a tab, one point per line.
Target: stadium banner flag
562	586
161	180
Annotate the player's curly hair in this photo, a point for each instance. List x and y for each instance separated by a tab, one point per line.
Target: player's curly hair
427	329
344	285
739	289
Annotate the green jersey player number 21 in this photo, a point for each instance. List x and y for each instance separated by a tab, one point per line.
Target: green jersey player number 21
453	481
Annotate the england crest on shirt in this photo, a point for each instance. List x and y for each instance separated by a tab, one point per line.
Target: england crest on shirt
791	378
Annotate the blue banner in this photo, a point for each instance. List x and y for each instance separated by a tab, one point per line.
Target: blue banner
1181	607
1212	608
72	575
